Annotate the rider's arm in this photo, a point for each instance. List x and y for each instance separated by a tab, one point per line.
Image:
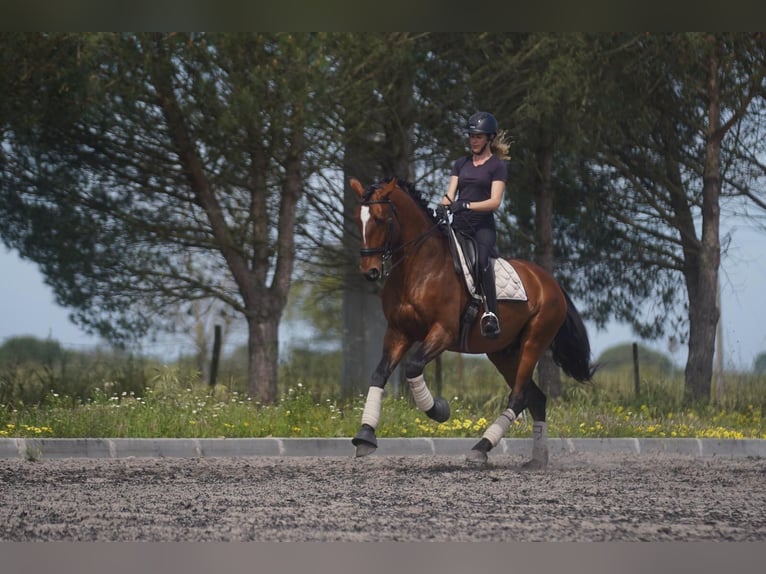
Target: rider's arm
494	201
449	197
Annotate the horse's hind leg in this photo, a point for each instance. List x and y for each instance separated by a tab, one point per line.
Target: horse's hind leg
536	401
507	363
517	369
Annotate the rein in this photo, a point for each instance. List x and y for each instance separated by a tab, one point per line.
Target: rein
387	252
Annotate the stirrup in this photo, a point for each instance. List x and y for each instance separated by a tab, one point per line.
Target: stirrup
490	326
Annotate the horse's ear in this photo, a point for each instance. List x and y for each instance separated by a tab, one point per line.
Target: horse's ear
356	186
392	184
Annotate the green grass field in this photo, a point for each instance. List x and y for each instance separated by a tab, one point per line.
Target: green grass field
176	403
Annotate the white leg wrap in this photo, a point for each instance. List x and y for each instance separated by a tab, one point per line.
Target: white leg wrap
540	441
423	398
498	428
371	412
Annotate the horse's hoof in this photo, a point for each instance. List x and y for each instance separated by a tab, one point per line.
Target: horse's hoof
363	449
440	412
535	464
365	441
476	457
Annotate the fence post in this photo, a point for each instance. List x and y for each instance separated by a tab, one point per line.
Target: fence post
216	355
636	385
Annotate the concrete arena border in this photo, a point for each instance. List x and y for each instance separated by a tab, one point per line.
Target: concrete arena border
53	448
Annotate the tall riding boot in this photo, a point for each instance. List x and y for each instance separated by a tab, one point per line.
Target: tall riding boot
490	324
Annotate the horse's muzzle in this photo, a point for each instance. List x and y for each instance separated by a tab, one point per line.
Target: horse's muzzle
372	274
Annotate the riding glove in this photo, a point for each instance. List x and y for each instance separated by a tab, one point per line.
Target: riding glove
458	206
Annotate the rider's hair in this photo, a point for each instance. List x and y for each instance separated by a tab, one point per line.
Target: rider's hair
501	144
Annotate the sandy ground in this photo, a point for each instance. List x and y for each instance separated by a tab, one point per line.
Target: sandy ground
581	497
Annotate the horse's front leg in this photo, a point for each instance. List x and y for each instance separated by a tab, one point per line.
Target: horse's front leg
436	408
394	348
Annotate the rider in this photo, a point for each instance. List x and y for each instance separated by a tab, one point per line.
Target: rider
475	191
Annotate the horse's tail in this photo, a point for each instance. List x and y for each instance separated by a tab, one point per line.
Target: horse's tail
571	347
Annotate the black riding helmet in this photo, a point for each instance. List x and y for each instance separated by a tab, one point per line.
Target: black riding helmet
481	123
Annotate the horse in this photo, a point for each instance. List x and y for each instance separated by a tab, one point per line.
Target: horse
423	299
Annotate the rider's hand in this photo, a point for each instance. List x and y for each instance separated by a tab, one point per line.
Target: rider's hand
458	206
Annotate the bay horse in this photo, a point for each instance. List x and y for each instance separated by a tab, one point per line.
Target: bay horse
423	300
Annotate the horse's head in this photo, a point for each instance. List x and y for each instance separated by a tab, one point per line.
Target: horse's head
379	227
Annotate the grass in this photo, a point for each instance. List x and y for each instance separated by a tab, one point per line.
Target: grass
178	404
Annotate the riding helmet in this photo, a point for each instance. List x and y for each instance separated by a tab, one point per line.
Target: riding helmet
481	123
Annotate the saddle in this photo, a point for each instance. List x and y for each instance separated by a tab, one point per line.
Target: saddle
508	284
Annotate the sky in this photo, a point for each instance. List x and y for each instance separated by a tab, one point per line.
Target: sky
27	307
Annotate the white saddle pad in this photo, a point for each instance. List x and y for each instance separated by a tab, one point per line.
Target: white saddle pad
507	282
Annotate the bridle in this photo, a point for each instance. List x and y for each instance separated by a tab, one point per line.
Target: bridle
387	251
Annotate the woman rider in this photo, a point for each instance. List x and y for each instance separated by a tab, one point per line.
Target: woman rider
475	191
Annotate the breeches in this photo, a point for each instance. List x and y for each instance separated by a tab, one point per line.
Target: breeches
485	243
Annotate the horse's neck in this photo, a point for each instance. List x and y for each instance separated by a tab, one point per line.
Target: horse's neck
426	247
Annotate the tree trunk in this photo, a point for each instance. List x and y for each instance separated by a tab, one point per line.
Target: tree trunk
718	388
368	159
703	318
363	329
363	321
263	353
263	305
703	303
549	374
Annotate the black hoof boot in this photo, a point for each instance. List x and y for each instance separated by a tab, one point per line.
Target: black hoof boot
365	441
440	412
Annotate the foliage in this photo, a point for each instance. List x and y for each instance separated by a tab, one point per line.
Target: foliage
177	167
178	404
621	356
675	136
173	166
318	300
20	350
318	373
73	375
759	366
118	396
29	379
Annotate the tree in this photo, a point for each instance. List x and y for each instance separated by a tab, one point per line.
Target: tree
173	165
176	167
679	106
30	350
536	83
551	83
634	138
393	126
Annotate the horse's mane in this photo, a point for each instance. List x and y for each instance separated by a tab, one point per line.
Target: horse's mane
406	186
